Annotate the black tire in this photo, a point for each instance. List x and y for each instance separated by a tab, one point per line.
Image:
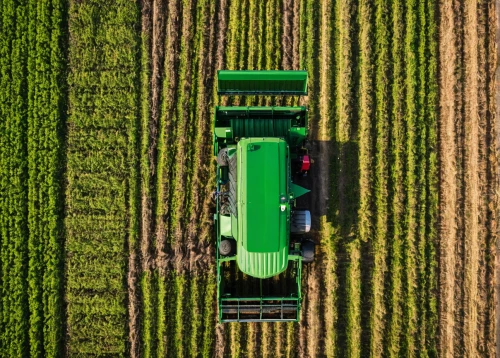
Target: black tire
227	247
222	158
225	208
307	251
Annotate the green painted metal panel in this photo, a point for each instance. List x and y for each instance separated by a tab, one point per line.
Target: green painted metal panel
263	218
232	123
260	127
298	190
260	199
223	132
234	227
225	225
262	264
254	82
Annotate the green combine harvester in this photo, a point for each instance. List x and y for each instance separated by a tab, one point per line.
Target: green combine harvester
260	231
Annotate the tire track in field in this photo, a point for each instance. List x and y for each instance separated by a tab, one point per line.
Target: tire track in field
471	124
178	145
182	174
198	198
188	114
200	250
492	175
448	176
482	83
488	157
167	122
167	127
460	120
221	43
140	319
153	38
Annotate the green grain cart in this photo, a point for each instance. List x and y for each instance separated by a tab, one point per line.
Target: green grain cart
260	231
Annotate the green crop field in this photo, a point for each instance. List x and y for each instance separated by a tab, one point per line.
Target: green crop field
107	173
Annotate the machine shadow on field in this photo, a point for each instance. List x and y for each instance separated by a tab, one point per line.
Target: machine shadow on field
335	196
334	184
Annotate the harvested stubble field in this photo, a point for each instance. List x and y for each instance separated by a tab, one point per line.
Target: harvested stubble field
107	173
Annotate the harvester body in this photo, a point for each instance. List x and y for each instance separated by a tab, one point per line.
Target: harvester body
259	149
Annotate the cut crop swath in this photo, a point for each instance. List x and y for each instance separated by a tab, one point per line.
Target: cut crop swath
101	157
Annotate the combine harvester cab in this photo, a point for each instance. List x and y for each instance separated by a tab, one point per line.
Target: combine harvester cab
260	232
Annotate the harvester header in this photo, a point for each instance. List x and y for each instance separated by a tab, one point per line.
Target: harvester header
286	83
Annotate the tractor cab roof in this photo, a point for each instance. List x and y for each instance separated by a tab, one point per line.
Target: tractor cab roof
263	210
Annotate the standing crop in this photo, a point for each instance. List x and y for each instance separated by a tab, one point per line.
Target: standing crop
31	206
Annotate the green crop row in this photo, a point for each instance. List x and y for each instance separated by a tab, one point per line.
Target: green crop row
412	187
14	234
102	174
429	276
32	65
397	190
422	233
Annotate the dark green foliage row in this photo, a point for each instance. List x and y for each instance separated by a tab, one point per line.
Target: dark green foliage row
32	64
14	193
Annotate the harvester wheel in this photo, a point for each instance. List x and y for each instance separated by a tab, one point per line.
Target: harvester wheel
227	247
222	157
225	208
307	251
